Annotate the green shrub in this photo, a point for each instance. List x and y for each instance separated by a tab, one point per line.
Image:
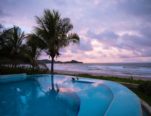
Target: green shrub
145	87
17	70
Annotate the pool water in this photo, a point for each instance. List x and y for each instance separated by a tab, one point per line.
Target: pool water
61	95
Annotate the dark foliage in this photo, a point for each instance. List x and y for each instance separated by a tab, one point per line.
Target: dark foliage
17	70
145	87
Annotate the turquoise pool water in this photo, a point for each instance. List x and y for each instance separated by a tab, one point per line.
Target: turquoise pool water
60	95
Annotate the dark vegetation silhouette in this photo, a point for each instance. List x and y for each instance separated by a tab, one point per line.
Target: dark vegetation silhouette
51	33
11	44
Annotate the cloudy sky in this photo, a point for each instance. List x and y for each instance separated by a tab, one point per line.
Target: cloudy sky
110	30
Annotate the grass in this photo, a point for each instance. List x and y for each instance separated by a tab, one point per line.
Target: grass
112	78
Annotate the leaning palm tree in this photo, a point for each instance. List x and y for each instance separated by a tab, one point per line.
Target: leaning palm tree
54	32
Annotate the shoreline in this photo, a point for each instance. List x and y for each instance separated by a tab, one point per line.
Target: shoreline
102	74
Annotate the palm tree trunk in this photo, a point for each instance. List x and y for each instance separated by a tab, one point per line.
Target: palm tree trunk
52	72
52	65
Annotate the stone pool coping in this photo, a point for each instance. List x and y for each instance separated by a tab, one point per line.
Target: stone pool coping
146	106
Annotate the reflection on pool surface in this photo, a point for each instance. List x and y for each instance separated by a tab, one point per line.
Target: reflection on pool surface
60	95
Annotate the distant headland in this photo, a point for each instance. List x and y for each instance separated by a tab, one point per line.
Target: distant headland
49	61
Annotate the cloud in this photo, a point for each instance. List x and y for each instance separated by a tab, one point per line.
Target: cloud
138	44
3	13
85	45
139	8
119	29
105	36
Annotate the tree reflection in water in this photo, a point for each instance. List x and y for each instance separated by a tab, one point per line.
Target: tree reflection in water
26	98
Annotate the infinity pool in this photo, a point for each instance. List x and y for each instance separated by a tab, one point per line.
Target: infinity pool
61	95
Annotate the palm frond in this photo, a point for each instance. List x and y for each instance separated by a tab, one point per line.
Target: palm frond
53	31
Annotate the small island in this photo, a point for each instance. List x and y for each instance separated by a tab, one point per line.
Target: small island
73	61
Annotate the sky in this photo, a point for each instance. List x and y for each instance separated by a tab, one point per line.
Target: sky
109	30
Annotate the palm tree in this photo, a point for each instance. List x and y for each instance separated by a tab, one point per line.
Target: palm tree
54	32
1	28
4	44
11	43
1	40
1	33
32	49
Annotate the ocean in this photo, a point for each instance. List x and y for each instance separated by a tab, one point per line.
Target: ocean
114	69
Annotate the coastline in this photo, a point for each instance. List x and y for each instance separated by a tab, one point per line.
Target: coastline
102	74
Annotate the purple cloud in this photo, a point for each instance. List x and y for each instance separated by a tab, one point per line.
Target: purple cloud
120	28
